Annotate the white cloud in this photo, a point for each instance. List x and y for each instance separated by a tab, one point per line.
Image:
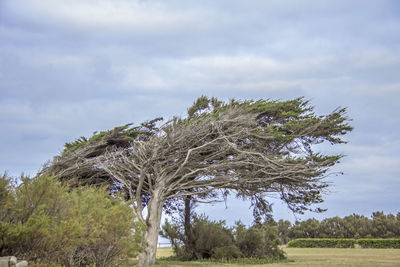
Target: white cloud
234	72
104	15
254	72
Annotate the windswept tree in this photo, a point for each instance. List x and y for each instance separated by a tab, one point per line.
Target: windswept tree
249	148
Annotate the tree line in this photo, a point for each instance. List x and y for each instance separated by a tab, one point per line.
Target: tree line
379	225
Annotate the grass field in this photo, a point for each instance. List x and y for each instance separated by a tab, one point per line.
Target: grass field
311	257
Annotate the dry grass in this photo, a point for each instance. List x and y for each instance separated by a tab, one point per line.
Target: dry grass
164	252
312	257
341	257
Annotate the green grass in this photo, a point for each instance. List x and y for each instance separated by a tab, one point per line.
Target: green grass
308	257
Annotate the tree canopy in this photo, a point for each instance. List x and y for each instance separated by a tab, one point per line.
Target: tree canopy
249	148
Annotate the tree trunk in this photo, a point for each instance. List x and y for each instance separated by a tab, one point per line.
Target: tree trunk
188	213
148	256
188	225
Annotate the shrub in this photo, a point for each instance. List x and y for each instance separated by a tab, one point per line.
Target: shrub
227	253
51	224
251	242
379	243
212	239
259	240
5	194
207	236
322	243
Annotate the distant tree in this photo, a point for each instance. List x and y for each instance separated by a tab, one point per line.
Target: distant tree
384	226
357	226
283	230
332	228
250	148
306	229
352	226
397	225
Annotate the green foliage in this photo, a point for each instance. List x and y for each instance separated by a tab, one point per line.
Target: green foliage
379	243
227	253
385	226
259	240
283	230
322	243
306	229
76	144
207	237
50	224
5	195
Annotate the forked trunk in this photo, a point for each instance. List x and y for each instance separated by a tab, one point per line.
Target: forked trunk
148	256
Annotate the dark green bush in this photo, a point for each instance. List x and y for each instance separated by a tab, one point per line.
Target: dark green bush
322	243
227	253
51	224
258	241
379	243
208	236
251	242
212	239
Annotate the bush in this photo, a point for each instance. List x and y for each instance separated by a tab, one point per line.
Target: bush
50	224
212	239
5	195
227	253
379	243
322	243
258	241
207	236
251	242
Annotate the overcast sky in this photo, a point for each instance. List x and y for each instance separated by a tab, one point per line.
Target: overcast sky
72	67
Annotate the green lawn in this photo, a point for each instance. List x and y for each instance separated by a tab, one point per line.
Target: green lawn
311	257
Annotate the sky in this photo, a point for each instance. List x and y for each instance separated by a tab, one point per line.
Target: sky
69	68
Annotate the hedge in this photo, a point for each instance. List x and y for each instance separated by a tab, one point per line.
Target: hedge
343	243
322	243
379	243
